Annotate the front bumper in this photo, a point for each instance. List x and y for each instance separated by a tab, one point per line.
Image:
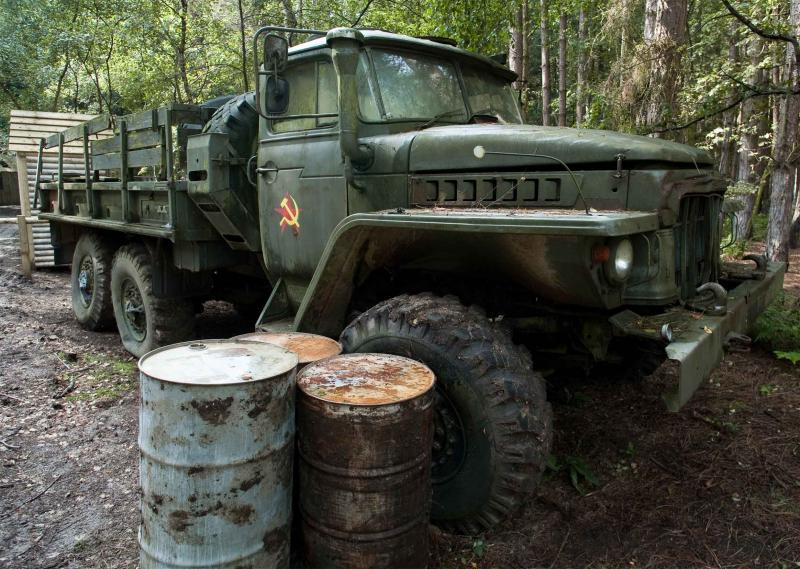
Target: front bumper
699	340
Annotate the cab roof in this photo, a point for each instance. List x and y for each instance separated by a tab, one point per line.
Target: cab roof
380	38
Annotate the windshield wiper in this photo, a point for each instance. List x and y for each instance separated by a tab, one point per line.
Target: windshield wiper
440	116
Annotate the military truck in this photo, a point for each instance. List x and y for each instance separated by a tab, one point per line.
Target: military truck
383	189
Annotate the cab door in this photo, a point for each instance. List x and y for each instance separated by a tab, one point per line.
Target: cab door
301	186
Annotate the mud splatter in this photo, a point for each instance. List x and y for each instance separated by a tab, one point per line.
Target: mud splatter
214	411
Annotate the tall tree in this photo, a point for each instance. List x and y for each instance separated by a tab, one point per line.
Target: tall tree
580	71
562	69
786	154
516	48
545	64
754	125
664	37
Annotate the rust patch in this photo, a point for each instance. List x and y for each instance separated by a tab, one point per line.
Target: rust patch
247	484
275	540
366	379
308	347
214	411
239	515
179	520
260	405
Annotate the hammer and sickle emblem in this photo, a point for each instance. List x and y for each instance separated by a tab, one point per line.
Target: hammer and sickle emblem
290	214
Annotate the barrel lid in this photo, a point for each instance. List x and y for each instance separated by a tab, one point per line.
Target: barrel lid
366	379
308	347
217	362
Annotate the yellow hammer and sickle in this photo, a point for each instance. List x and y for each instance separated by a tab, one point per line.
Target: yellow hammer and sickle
290	215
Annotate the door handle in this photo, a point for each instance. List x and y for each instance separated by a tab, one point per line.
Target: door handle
269	170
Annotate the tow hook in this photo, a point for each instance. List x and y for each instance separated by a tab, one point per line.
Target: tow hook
718	303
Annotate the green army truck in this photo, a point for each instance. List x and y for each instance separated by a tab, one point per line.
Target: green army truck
383	189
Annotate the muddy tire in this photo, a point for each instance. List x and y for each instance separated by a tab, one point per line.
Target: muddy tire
144	321
90	282
493	424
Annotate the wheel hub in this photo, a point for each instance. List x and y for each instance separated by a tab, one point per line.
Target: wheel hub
86	281
449	442
133	308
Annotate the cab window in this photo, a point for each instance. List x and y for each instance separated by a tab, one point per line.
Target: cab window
312	91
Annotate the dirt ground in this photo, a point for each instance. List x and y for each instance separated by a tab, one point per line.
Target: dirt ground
716	485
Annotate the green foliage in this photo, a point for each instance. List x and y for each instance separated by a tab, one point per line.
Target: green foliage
778	328
767	389
760	222
580	474
793	357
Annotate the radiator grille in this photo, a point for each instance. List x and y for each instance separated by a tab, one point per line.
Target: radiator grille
697	240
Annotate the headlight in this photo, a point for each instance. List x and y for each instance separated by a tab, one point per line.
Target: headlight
619	265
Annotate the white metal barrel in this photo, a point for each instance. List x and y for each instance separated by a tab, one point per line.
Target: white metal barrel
216	435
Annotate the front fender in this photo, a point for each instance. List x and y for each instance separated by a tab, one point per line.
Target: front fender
545	251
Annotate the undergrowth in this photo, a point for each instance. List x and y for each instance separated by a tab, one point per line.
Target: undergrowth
778	328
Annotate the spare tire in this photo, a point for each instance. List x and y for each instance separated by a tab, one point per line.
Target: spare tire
238	119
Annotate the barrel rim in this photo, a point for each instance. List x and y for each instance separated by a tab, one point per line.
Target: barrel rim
310	367
250	337
217	341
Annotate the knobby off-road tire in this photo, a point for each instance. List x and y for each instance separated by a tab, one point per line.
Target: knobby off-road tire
238	119
493	423
144	321
90	282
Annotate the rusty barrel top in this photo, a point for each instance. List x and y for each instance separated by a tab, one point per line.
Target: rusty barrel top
366	379
308	347
217	362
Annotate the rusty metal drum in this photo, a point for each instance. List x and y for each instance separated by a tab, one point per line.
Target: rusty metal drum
364	431
309	348
216	435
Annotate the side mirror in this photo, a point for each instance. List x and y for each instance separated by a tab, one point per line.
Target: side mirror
276	53
277	95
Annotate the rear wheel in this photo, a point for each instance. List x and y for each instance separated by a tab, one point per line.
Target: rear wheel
493	425
144	321
91	282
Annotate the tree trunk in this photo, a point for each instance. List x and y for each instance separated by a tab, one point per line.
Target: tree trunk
664	35
516	49
562	69
783	176
727	158
580	78
752	153
60	84
180	53
545	64
243	43
288	14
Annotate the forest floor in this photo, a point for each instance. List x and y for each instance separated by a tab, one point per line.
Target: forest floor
716	485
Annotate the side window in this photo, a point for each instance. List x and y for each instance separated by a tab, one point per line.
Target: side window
312	91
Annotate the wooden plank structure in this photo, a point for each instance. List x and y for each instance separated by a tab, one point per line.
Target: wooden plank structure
26	134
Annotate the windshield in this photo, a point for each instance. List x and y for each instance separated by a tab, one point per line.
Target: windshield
413	86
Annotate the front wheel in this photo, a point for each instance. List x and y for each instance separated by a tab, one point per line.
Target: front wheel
493	425
145	322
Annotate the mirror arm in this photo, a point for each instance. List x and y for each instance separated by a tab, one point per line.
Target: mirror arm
257	72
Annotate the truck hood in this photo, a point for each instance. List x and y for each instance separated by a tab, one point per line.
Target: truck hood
453	146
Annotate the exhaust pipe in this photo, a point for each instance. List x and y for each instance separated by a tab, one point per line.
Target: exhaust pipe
345	44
